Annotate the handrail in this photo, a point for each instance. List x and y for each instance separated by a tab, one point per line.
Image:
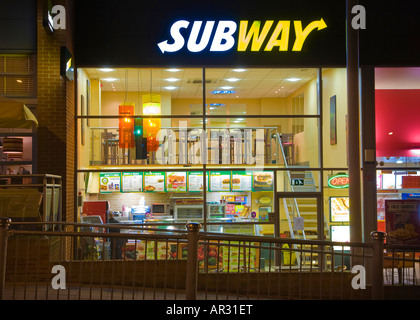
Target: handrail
291	186
203	235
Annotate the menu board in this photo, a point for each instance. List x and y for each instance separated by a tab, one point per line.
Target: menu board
154	182
132	181
109	182
195	181
241	181
339	209
176	181
220	180
263	181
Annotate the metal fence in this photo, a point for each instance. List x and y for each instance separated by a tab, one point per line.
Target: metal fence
110	262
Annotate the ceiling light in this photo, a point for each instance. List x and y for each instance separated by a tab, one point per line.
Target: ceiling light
110	79
416	151
239	70
226	88
173	70
169	88
232	79
293	79
172	79
106	70
222	91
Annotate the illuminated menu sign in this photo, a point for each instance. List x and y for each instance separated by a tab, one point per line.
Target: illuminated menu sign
195	181
263	181
220	180
132	182
241	181
109	182
176	181
154	182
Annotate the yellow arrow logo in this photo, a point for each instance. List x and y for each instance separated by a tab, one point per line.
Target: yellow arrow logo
301	35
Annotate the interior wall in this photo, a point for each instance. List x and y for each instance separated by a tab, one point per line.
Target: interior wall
335	84
396	111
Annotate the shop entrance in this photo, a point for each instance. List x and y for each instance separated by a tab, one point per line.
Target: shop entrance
299	216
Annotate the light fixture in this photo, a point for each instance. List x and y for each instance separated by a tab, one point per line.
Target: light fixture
151	126
293	79
126	126
415	151
232	79
169	88
172	79
222	91
226	88
13	146
173	70
109	79
106	69
239	70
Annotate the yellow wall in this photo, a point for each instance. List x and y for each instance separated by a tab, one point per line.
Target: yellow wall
334	83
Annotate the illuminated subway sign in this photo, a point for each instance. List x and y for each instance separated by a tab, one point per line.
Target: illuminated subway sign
247	38
339	181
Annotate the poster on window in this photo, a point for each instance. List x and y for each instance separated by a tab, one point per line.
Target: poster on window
109	182
402	218
339	209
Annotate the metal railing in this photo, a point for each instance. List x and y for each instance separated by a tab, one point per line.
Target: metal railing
87	261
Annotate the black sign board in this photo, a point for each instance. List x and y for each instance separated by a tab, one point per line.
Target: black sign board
212	33
232	33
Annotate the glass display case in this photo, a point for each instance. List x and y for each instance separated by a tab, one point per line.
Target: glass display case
188	211
216	211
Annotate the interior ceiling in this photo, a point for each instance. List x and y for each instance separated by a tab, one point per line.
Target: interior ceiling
397	78
251	83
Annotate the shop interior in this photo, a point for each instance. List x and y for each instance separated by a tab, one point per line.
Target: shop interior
141	182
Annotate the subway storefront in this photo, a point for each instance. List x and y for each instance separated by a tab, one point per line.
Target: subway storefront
232	117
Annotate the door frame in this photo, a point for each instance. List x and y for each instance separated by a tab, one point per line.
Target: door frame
300	195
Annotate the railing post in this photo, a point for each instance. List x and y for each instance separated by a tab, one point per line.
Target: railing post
378	265
192	261
4	225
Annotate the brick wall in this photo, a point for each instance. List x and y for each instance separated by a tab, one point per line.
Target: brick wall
55	108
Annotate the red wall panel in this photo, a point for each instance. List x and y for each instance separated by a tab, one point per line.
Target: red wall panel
397	111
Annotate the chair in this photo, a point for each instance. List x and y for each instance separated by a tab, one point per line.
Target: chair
403	262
